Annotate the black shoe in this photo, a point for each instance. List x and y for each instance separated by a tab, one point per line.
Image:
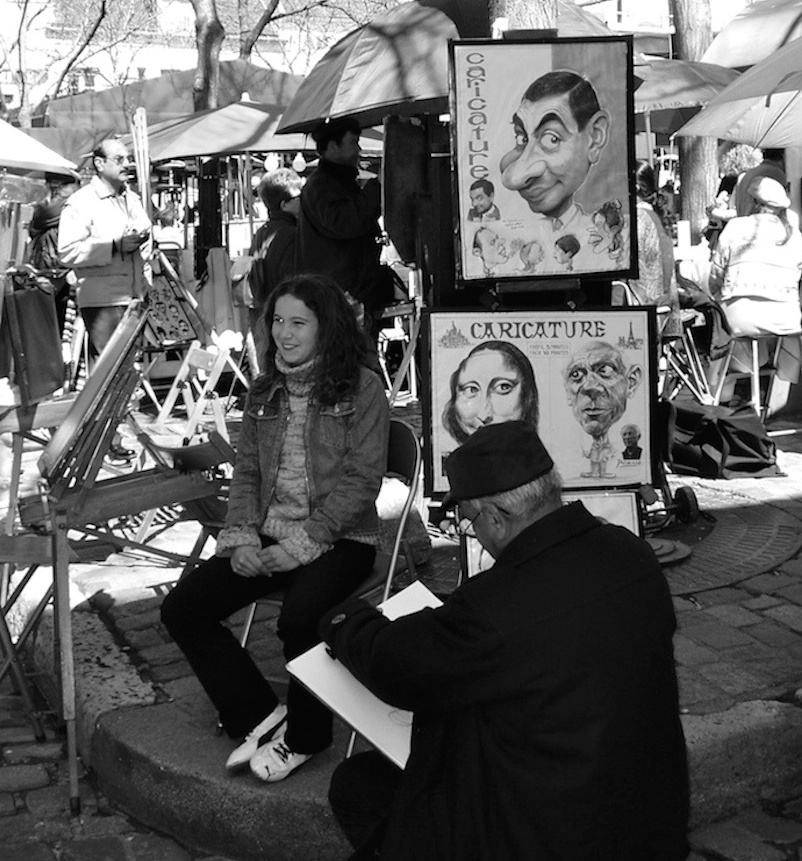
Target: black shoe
117	452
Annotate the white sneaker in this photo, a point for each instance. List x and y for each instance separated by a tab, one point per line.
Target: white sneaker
275	761
271	727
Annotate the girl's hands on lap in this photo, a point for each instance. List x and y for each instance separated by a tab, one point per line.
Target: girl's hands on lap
275	558
246	562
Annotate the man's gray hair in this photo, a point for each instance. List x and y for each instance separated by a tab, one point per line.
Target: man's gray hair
529	498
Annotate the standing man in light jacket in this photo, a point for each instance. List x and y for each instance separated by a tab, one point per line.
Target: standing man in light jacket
546	717
105	237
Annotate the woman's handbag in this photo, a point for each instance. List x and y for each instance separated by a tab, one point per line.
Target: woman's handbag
29	335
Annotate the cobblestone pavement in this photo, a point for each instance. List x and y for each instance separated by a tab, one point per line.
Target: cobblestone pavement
35	820
738	642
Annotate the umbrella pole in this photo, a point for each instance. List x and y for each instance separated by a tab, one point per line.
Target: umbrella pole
249	191
647	119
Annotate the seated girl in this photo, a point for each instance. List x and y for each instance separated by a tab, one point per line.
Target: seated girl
301	517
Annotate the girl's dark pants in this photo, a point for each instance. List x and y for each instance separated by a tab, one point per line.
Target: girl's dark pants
193	613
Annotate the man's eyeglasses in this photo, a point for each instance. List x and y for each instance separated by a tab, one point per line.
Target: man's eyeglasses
118	159
464	526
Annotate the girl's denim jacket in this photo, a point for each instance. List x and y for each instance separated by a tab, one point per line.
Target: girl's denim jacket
346	458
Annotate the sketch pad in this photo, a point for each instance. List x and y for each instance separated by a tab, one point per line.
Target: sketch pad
387	728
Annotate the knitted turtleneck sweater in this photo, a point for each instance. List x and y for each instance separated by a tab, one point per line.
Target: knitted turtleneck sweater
289	505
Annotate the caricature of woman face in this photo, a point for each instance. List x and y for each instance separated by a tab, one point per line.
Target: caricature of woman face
488	390
494	383
605	235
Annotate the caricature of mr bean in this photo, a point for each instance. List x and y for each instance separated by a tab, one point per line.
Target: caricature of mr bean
560	132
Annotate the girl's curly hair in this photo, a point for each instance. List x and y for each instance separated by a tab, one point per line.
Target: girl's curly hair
341	346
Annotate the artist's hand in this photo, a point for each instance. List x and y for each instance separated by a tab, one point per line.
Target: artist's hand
245	561
275	558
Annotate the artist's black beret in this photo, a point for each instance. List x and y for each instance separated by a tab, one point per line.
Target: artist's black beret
496	458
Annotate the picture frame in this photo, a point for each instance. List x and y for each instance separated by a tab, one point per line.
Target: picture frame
542	145
618	507
537	365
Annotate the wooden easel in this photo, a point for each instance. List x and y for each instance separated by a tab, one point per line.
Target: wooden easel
71	497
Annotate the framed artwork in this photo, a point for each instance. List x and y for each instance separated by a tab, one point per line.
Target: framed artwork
619	507
543	157
168	318
584	378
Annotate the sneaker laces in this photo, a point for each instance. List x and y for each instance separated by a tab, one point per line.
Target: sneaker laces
282	751
261	734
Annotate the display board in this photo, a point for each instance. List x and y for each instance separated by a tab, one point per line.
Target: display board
584	378
543	158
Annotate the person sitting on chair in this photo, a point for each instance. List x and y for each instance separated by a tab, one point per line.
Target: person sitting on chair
546	718
301	517
755	271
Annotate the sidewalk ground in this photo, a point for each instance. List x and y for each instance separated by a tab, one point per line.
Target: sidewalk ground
149	748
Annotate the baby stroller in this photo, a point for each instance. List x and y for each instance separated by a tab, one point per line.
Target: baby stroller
705	337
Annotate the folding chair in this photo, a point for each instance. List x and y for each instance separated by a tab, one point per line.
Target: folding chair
195	384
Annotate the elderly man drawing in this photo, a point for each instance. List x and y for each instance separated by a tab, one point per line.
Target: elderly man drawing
546	720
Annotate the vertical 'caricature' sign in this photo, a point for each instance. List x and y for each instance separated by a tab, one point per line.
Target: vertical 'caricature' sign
542	155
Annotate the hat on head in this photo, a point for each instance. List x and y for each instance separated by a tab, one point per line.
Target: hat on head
769	191
496	458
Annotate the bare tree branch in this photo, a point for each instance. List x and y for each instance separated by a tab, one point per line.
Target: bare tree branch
246	46
79	48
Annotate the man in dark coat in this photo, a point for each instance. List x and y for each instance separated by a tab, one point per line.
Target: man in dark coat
544	691
273	246
43	228
338	231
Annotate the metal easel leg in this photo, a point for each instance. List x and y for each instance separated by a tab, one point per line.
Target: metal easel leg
62	650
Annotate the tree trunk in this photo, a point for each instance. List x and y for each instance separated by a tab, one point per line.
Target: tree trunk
526	14
698	163
209	34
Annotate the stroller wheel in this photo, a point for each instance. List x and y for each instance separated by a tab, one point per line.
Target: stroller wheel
686	505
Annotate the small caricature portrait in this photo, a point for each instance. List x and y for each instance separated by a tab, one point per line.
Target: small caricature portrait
565	249
532	255
560	132
494	383
160	309
174	313
598	384
630	436
495	251
161	334
183	329
482	193
607	232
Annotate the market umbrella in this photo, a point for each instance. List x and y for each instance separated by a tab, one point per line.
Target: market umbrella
756	33
20	153
398	61
669	92
762	107
397	64
167	97
237	128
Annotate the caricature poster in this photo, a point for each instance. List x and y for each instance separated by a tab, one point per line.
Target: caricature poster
167	318
585	378
542	150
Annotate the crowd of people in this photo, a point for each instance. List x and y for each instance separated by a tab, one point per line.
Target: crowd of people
544	690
